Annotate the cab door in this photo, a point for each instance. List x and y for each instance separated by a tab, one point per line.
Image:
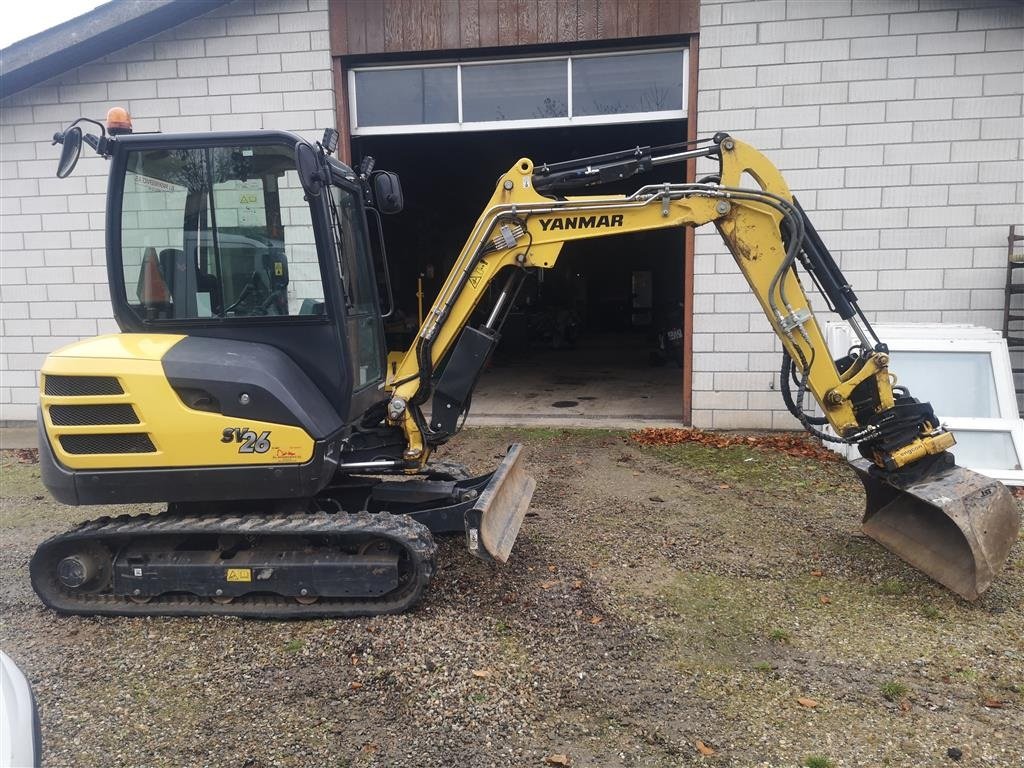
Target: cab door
363	323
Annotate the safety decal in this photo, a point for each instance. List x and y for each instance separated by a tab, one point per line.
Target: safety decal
239	574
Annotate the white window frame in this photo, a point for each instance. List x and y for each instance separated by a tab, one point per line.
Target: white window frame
501	125
937	338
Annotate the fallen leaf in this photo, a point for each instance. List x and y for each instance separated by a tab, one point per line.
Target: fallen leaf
704	749
482	673
548	584
558	759
994	703
817	574
904	704
825	599
723	485
355	685
553	568
578	584
595	619
791	444
809	703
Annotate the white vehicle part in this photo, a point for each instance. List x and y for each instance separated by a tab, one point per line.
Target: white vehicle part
19	722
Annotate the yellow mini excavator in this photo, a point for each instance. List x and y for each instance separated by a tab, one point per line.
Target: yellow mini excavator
250	389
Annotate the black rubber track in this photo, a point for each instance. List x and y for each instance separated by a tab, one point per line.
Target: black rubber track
414	538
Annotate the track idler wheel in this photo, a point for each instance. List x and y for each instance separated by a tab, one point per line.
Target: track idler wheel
85	569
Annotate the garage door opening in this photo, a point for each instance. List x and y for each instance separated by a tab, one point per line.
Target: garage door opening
596	337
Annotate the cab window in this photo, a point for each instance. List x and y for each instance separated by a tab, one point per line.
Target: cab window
217	232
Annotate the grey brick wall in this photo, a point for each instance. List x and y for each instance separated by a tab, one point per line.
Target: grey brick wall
262	64
897	122
899	126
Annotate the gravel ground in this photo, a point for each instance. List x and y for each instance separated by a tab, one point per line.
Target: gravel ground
657	597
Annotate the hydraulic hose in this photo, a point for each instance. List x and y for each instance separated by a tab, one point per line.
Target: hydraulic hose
787	394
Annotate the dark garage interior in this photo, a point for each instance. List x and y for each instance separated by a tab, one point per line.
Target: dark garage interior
596	336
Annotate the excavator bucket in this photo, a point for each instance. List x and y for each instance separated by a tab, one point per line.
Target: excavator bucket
955	525
493	523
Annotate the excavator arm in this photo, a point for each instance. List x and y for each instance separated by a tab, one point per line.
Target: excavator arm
763	227
526	223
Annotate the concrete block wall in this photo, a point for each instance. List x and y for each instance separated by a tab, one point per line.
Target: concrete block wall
899	126
250	64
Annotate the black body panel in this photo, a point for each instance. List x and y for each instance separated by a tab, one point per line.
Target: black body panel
278	389
453	390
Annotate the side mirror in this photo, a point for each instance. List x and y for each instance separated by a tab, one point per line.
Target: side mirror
72	141
387	192
310	170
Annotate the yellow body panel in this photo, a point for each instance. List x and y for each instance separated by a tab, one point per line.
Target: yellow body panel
183	437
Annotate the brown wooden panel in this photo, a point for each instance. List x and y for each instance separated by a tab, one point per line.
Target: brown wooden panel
689	17
547	21
469	23
337	27
488	23
357	26
647	18
567	15
689	251
507	23
412	27
607	19
669	13
340	77
374	26
449	23
430	20
526	21
628	10
586	20
393	26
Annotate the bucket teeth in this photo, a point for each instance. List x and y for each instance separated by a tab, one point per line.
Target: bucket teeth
954	525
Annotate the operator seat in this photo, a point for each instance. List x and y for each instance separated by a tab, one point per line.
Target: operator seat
173	259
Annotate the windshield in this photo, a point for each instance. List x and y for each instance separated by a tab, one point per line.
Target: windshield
217	232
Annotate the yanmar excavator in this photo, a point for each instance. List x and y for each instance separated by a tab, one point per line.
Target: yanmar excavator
251	391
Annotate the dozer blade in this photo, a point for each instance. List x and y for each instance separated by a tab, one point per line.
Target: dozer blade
493	523
955	525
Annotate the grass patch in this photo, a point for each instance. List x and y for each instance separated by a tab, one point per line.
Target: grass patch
967	674
894	690
720	622
931	612
780	636
892	587
764	667
817	761
293	646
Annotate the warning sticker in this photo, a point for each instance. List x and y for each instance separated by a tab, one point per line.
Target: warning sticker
239	574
